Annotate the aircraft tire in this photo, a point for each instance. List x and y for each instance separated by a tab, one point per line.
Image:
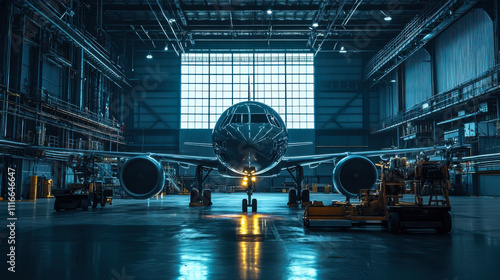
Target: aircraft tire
292	196
254	205
195	194
305	196
245	205
207	197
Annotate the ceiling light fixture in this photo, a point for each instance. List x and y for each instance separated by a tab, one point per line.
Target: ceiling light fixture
315	24
387	17
342	50
269	11
171	20
149	56
166	47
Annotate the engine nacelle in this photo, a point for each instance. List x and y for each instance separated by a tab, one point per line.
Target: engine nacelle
352	174
142	177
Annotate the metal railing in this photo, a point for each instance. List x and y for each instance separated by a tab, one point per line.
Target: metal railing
71	108
485	84
407	35
174	180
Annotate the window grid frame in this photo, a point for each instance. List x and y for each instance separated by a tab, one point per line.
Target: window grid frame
290	115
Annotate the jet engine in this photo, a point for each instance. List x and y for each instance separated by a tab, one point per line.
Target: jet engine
352	174
142	177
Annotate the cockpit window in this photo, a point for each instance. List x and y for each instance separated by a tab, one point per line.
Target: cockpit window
274	121
226	120
240	118
259	118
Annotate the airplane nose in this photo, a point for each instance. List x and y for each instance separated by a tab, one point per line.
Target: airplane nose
247	136
247	147
250	142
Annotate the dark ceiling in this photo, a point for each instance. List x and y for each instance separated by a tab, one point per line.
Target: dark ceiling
355	24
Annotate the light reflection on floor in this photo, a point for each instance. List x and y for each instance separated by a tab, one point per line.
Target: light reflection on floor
249	251
165	239
303	266
249	260
194	261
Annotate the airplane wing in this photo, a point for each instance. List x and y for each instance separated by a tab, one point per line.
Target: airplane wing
317	159
63	154
187	159
173	158
483	160
297	144
196	144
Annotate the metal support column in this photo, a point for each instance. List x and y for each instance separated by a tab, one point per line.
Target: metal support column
496	29
10	7
99	97
366	116
81	61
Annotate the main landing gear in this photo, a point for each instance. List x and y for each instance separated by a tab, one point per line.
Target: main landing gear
298	196
206	198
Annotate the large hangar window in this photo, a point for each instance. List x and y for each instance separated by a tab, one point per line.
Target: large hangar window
212	82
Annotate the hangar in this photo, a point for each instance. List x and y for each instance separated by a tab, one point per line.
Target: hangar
249	139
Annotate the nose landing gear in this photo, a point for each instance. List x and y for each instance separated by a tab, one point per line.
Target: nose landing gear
253	202
249	181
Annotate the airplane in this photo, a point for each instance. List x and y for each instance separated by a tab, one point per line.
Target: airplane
249	140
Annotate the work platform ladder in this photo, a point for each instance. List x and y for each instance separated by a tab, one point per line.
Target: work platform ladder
173	179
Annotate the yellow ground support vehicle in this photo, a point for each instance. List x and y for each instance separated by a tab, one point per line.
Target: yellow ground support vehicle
406	197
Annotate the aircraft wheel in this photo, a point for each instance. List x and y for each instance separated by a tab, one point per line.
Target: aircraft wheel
245	205
103	202
305	196
195	195
292	196
446	226
393	223
254	205
207	197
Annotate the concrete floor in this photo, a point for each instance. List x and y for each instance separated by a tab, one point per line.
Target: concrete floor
165	239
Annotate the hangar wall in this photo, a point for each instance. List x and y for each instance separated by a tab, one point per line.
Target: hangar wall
153	104
465	50
53	93
418	78
460	53
488	185
342	108
388	94
451	65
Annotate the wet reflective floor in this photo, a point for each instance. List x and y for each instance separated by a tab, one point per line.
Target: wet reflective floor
166	239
